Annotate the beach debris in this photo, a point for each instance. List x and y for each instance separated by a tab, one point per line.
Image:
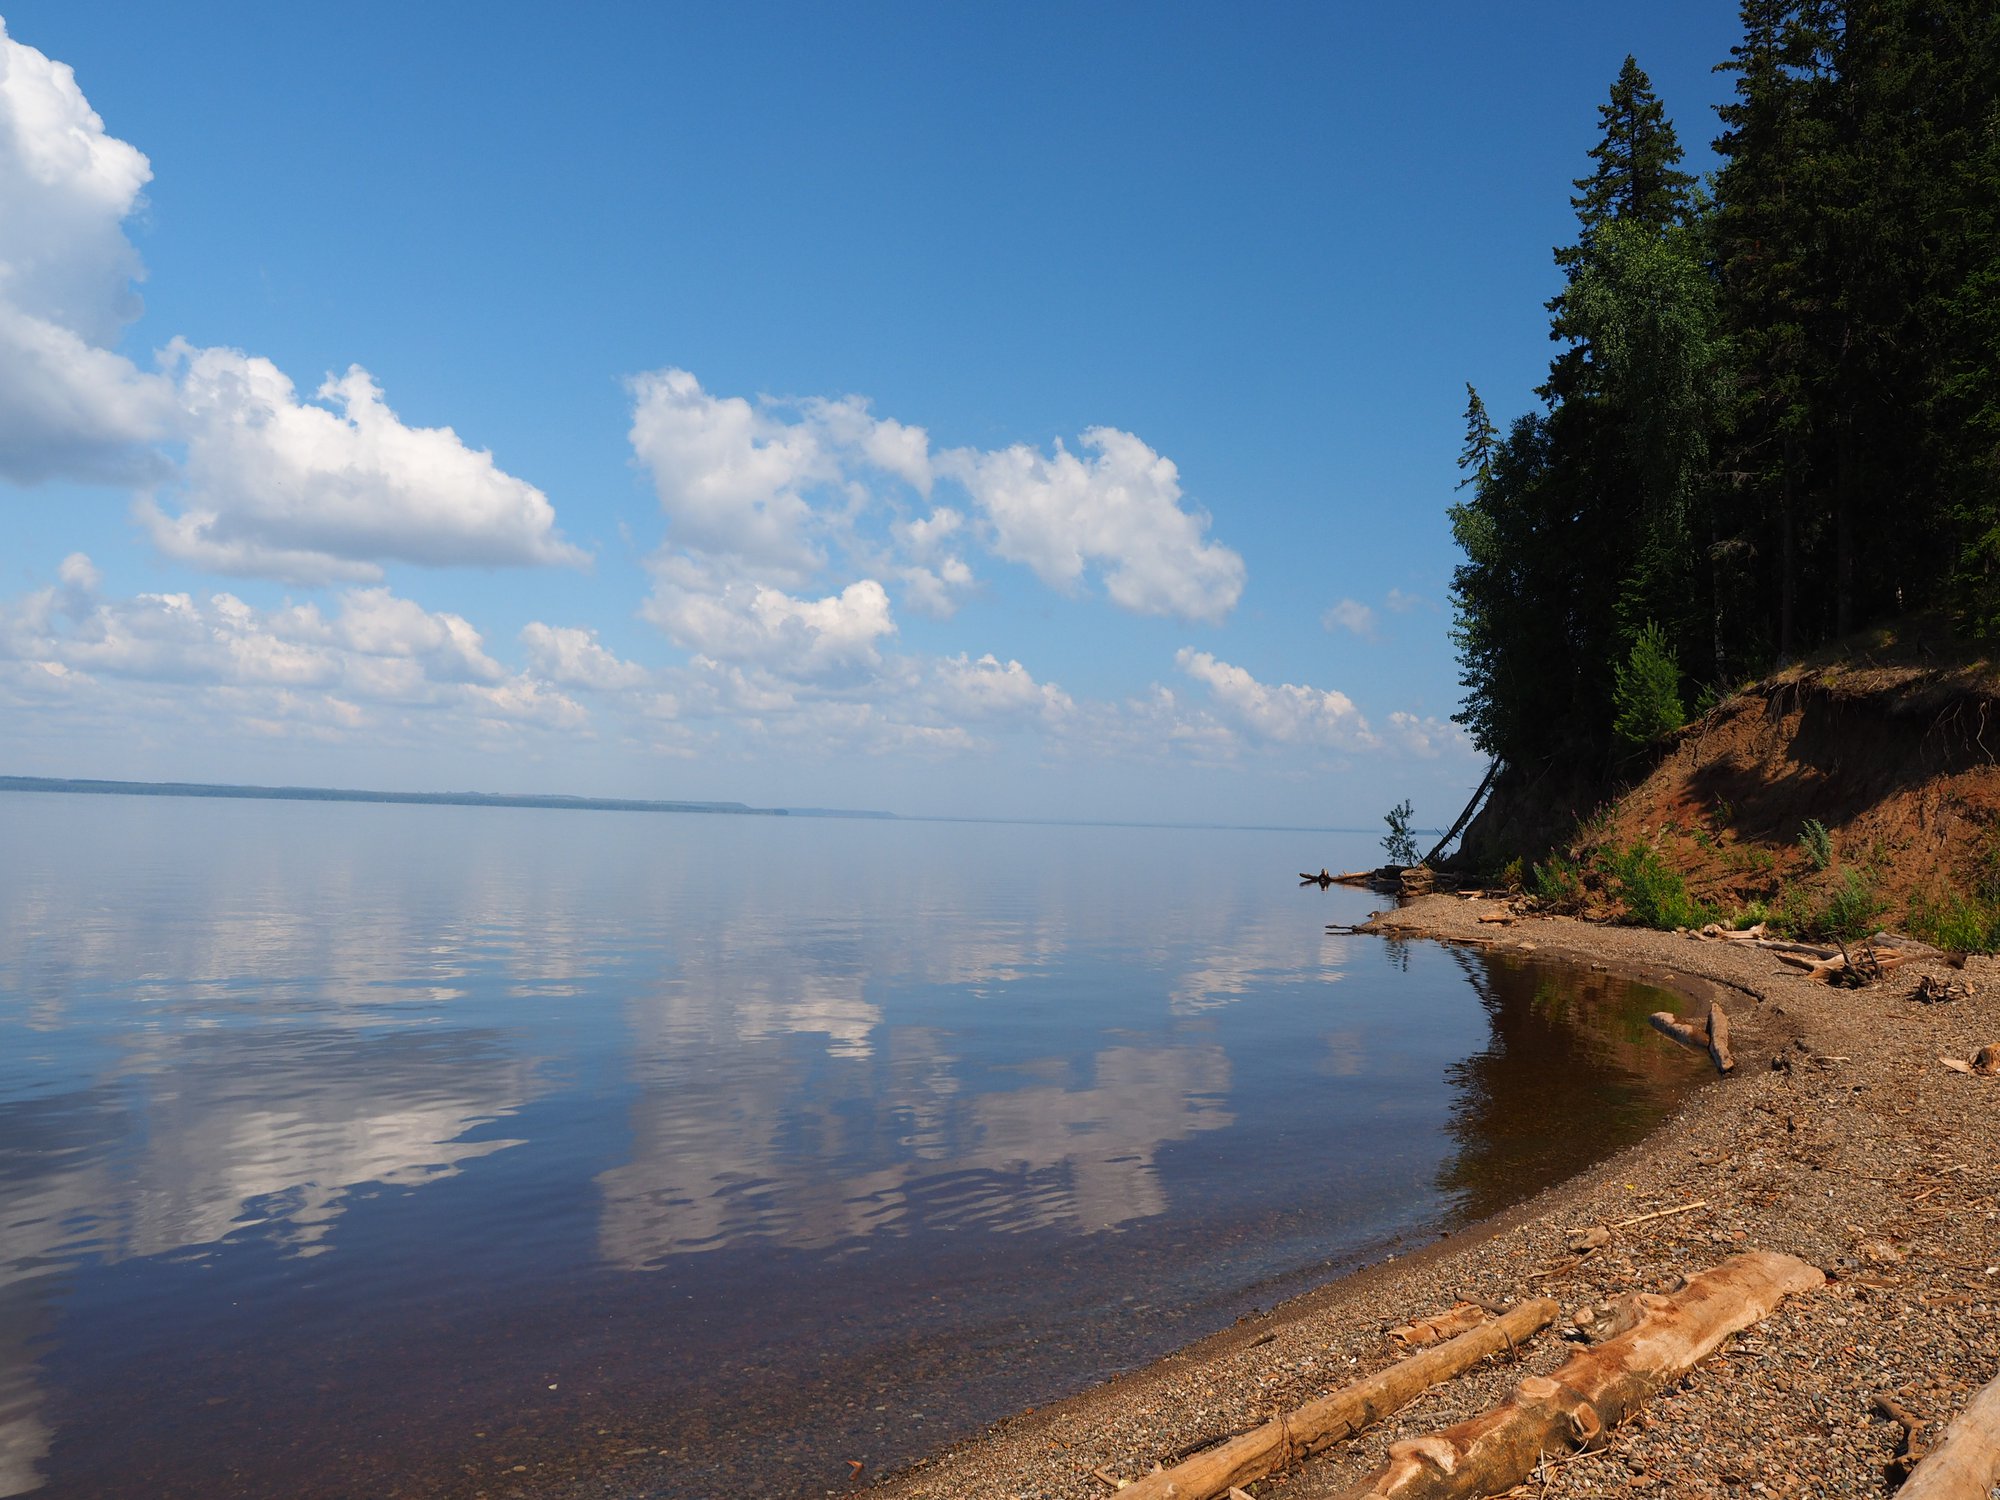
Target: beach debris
1499	918
1710	1035
854	1468
1965	1464
1602	1386
1600	1321
1662	1213
1105	1476
1454	1320
1318	1424
1910	1446
1985	1062
1874	960
1583	1241
1930	991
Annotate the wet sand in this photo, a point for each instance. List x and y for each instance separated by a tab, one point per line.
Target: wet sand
1840	1138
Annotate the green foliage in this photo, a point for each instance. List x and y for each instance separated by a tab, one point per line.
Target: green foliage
1845	911
1957	924
1646	692
1748	915
1774	416
1851	909
1655	895
1559	882
1817	842
1399	843
1513	875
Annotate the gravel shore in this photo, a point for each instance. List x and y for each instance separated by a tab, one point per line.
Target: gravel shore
1840	1138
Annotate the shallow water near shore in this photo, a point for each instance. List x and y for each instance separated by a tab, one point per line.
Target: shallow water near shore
428	1150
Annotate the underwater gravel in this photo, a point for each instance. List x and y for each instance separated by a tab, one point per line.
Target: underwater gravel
1840	1138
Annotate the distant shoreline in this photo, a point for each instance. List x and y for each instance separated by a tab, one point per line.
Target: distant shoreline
445	799
92	786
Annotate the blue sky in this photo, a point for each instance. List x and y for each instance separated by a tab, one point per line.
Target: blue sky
688	402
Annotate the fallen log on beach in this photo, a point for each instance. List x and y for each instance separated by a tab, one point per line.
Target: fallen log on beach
1600	1388
1314	1426
1710	1036
1965	1465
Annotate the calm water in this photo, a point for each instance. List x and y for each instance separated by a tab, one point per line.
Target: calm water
428	1150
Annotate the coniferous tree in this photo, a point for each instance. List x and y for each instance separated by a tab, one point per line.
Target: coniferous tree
1772	418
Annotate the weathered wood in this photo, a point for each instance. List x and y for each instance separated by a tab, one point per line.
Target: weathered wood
1320	1423
1965	1464
1485	786
1985	1062
1598	1389
1718	1039
1439	1327
1710	1036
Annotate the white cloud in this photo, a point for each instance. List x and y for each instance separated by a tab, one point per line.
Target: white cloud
269	668
1428	737
571	656
68	404
781	490
1119	510
281	488
740	620
1350	615
990	689
1287	713
273	486
1403	603
728	475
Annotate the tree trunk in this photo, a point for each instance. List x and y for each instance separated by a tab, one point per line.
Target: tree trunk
1319	1423
1597	1390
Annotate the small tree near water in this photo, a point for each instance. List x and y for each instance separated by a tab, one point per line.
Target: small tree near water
1399	843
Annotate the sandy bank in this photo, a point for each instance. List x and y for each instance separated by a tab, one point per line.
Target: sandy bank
1840	1139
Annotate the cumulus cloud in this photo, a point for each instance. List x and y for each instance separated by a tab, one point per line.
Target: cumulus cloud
778	487
1350	615
376	652
272	486
572	657
1428	737
278	487
991	689
1287	713
728	475
1119	509
740	620
69	406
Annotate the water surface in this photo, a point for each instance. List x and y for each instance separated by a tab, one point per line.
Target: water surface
429	1150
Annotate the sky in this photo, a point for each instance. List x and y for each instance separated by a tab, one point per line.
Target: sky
1042	411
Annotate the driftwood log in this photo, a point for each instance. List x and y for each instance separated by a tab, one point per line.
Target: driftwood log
1598	1389
1710	1036
1317	1424
1965	1465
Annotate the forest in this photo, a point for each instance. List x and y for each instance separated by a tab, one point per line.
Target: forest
1772	417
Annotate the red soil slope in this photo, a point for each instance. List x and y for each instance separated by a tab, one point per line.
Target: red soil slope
1901	763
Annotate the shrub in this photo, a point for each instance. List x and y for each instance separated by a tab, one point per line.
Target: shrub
1654	894
1559	882
1956	923
1513	875
1399	843
1748	915
1646	690
1817	842
1850	910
